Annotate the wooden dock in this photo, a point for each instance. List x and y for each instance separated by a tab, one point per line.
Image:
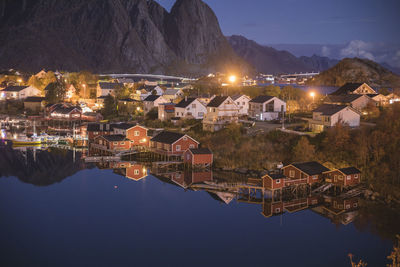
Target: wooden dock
103	159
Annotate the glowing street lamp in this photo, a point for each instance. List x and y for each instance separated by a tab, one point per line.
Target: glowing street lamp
232	79
312	94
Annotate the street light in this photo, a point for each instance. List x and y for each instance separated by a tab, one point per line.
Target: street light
312	94
232	79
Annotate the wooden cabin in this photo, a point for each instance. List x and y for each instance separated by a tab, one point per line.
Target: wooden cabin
304	173
96	129
135	133
273	181
344	177
172	143
112	142
198	157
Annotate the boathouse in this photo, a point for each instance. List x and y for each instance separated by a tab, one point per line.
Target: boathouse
135	133
304	172
198	157
172	143
111	143
273	181
96	129
344	177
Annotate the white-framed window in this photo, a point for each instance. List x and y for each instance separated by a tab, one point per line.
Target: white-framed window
348	177
115	143
191	146
356	176
315	177
96	132
136	133
278	210
136	171
348	206
185	138
291	173
355	205
193	105
178	147
188	156
278	181
201	114
122	143
340	177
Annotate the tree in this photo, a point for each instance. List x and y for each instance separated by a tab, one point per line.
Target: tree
35	82
55	92
272	90
110	107
304	151
121	92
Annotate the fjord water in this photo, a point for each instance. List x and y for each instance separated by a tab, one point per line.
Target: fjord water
96	217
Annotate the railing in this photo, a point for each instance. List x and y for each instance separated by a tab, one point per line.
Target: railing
295	181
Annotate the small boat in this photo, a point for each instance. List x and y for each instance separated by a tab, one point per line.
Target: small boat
26	141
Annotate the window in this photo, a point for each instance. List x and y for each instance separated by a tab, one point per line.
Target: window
348	177
315	177
340	177
356	176
136	133
115	143
243	103
178	148
122	143
355	205
348	206
191	146
185	138
278	181
238	103
193	105
201	114
136	171
188	156
291	174
277	210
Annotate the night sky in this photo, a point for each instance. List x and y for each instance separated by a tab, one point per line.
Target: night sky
308	21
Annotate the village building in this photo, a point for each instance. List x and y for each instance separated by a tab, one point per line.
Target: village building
221	111
135	133
18	92
354	88
107	88
152	101
392	98
111	143
304	173
273	181
382	100
190	108
344	177
128	106
172	94
34	103
144	91
356	101
172	143
63	112
203	98
95	129
242	101
128	82
166	111
328	115
266	108
70	92
198	157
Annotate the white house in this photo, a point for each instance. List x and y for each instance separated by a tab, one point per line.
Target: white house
221	111
146	90
172	94
242	101
106	88
356	101
266	108
152	101
19	92
354	88
190	108
328	115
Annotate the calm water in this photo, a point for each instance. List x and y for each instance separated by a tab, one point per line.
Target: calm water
58	212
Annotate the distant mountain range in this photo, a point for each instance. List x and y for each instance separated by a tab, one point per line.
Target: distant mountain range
357	70
269	60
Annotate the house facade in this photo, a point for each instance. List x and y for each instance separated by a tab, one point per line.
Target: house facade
344	177
304	173
273	181
172	143
135	133
18	92
221	111
198	156
356	101
107	88
328	115
190	108
354	88
34	103
172	94
242	101
111	142
152	101
266	108
166	111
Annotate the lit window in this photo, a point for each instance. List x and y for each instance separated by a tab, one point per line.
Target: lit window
122	143
115	143
136	171
348	177
315	177
356	176
136	133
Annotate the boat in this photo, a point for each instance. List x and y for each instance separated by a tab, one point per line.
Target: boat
24	140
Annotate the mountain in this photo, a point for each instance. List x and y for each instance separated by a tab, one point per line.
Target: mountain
269	60
357	70
113	36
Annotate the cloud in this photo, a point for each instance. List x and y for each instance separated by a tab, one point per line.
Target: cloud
358	48
325	51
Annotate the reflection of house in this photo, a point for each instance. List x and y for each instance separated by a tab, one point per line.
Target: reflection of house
328	115
266	108
166	111
34	103
221	111
190	108
188	178
305	172
198	156
354	88
344	177
242	101
152	101
171	143
18	92
355	101
272	208
111	142
339	210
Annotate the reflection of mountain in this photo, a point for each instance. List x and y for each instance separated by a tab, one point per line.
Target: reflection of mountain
39	167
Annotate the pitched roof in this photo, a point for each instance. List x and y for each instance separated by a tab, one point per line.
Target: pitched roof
344	98
95	127
311	167
200	151
115	137
167	137
66	110
217	101
171	91
123	126
350	170
151	98
14	88
109	86
127	100
275	176
347	88
261	99
34	99
329	109
237	96
185	102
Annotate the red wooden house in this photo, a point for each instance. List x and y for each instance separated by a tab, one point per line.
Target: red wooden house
172	144
273	181
111	143
304	173
344	177
96	129
198	156
135	133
